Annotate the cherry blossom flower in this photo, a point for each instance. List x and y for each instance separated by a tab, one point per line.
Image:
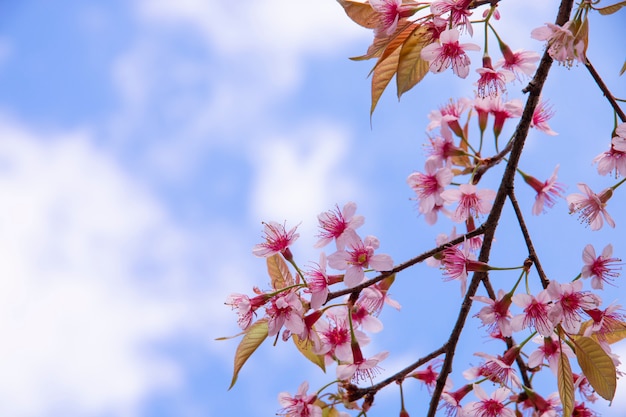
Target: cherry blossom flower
246	307
581	410
449	114
277	240
459	12
569	303
360	369
358	257
535	313
285	309
339	225
497	369
550	350
496	313
492	82
605	321
317	283
374	297
614	160
504	111
472	202
562	45
429	186
457	263
429	375
335	338
519	62
389	14
547	191
363	318
443	149
591	206
448	52
601	268
451	400
543	112
541	407
299	405
489	406
435	261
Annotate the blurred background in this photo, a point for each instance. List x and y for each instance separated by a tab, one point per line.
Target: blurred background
143	142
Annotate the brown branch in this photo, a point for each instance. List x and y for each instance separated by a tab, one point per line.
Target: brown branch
519	138
605	90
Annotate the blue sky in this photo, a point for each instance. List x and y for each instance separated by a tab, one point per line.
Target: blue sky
144	141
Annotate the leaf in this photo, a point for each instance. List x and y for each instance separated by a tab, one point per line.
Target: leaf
255	335
306	348
616	333
279	272
623	70
330	412
396	41
612	8
411	67
361	13
565	381
383	73
597	366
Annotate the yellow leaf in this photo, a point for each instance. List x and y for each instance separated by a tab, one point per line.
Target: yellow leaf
395	42
623	70
383	73
330	412
255	335
565	381
597	366
612	8
279	272
306	348
411	67
361	13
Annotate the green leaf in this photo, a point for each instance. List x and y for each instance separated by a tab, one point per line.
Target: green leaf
279	272
411	67
361	13
597	366
565	381
255	335
612	8
306	348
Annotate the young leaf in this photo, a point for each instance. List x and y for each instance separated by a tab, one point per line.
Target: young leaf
306	348
279	272
617	332
411	67
623	70
597	366
255	335
565	381
612	8
361	13
383	73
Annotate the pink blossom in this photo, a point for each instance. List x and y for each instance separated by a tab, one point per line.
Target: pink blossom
300	405
549	350
492	82
457	264
614	160
591	206
547	191
361	369
277	240
458	10
497	369
601	268
472	202
435	261
443	149
543	112
335	338
358	257
452	399
373	298
364	318
581	410
504	111
562	45
389	14
605	321
429	186
519	62
339	225
429	375
489	406
246	307
317	283
536	313
449	113
496	313
285	309
448	52
569	303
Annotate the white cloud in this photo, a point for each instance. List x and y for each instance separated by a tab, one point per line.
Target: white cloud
92	276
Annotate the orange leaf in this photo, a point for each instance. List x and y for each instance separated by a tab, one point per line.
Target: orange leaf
597	366
361	13
306	348
255	335
396	41
623	70
279	272
565	381
612	8
383	73
411	67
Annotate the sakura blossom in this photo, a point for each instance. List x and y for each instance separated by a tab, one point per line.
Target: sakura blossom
614	160
458	10
457	263
357	258
536	313
562	45
285	310
591	207
569	303
246	307
364	319
492	82
547	191
489	405
429	185
299	405
448	52
339	225
335	337
496	313
522	63
451	400
361	369
277	240
605	321
449	114
374	297
429	375
496	368
442	148
550	350
317	283
472	202
435	261
389	14
602	268
543	112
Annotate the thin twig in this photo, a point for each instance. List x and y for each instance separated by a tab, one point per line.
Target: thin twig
605	90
